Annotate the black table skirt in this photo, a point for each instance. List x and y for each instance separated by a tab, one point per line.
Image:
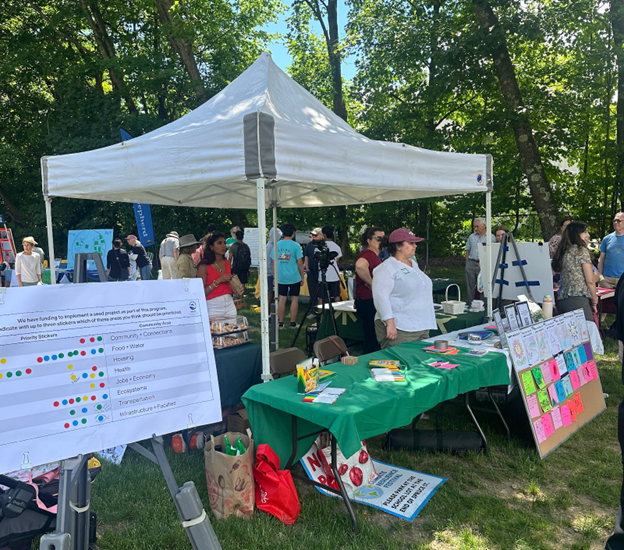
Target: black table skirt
238	368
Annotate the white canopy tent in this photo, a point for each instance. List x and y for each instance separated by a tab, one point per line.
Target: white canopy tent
262	141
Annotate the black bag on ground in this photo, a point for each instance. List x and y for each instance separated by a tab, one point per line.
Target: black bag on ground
434	440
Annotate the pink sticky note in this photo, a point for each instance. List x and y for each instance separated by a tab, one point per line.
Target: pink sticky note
554	370
534	410
574	378
547	425
581	376
565	415
592	369
546	373
539	431
552	392
447	366
556	416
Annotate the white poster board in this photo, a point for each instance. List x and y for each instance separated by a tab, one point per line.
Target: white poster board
85	367
252	240
537	269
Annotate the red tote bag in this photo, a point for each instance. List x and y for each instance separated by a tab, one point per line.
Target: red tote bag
275	489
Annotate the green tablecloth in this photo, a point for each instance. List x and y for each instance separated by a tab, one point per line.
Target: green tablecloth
350	327
367	408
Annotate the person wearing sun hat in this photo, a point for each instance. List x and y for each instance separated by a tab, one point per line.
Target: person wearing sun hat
185	265
27	264
402	293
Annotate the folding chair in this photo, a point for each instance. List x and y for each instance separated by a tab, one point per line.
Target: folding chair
284	361
330	348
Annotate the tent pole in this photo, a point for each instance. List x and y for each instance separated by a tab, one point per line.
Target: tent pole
488	250
48	211
264	297
275	295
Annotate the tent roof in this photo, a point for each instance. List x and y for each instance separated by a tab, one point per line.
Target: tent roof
263	124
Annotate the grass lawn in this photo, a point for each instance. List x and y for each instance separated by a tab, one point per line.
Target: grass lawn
509	500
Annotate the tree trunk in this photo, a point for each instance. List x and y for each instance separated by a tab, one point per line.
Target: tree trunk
107	49
184	49
335	60
617	24
539	185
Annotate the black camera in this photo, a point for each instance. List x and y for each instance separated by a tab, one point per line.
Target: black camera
324	255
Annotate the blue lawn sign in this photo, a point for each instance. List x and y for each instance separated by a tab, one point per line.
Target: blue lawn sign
1	219
142	212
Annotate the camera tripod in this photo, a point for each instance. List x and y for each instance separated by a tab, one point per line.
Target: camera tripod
323	289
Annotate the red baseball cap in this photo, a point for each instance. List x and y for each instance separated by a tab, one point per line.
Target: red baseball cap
402	234
130	237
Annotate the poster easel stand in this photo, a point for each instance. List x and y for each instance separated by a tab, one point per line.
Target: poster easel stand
501	264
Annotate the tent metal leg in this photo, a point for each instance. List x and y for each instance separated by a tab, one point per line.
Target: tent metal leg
488	251
48	211
264	296
275	293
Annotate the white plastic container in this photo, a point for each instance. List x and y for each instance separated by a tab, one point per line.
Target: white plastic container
547	306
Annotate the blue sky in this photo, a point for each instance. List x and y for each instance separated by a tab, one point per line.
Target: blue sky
280	52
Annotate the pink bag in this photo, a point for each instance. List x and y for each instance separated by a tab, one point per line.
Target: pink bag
275	489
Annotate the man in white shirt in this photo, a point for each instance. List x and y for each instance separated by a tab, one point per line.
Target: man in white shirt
28	265
473	268
169	251
333	273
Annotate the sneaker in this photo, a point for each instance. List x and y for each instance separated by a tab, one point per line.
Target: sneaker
281	325
311	316
293	325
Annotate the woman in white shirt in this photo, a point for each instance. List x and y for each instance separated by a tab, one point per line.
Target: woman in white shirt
402	293
28	265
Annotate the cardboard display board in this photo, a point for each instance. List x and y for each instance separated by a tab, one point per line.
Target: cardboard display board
92	366
558	378
537	269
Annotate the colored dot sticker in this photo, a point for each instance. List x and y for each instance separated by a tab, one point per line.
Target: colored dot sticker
93	398
39	359
92	386
93	352
100	374
73	377
92	375
84	375
101	350
105	396
99	407
56	403
93	369
83	353
71	401
77	399
1	376
84	420
61	355
64	401
72	412
100	418
91	339
86	398
102	385
70	367
75	352
9	374
82	340
19	373
75	422
3	361
99	338
46	358
54	357
28	371
84	410
66	425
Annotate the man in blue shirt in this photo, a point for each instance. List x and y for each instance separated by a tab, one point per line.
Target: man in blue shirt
472	256
611	262
289	274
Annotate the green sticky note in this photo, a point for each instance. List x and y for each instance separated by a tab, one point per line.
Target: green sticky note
544	401
527	380
539	377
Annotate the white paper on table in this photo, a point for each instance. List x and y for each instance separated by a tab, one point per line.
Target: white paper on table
130	360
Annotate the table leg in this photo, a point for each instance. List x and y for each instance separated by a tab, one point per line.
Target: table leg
499	414
474	420
343	492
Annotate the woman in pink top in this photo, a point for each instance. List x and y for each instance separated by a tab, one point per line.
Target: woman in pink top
216	274
367	260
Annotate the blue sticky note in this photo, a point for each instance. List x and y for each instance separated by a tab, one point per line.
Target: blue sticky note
567	385
561	394
577	358
569	361
582	355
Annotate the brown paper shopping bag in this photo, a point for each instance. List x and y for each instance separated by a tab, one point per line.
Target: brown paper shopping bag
230	478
